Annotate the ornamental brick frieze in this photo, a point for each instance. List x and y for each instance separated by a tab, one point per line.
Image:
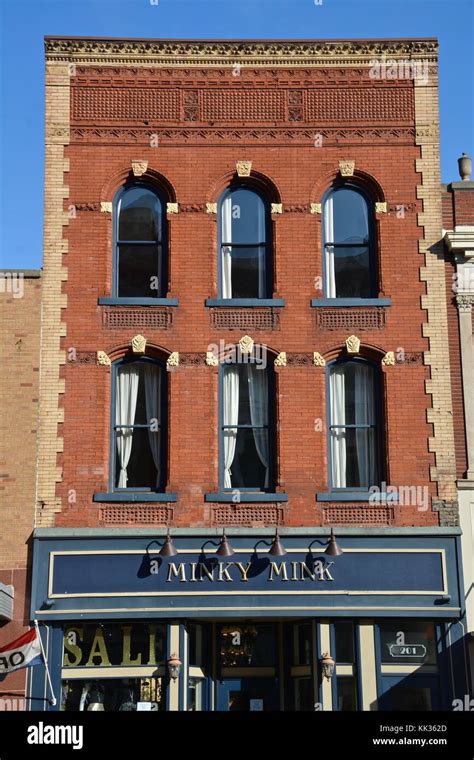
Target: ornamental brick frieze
274	136
224	104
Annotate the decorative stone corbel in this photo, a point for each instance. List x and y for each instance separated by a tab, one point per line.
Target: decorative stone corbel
173	359
172	208
280	361
139	166
389	359
465	301
103	359
277	208
381	208
353	344
139	344
318	360
243	168
211	208
347	168
246	344
211	359
315	208
106	207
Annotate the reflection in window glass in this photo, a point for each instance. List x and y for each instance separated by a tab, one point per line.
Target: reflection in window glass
304	633
344	633
247	645
303	694
346	693
195	644
195	699
408	641
411	698
112	694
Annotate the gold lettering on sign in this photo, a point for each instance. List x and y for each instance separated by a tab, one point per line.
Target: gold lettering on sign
127	643
278	570
244	570
70	646
98	649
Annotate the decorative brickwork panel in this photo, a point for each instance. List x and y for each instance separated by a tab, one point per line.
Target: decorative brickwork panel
299	359
247	514
150	316
109	104
133	514
410	357
357	515
192	359
362	104
243	105
245	319
348	319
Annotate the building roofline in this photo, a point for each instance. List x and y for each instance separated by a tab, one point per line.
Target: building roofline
283	41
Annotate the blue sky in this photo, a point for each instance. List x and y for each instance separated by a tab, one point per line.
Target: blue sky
23	24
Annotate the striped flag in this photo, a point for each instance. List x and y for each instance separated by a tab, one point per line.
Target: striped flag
21	653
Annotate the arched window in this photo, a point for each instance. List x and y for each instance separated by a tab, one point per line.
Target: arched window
354	425
349	246
139	425
247	426
140	243
244	244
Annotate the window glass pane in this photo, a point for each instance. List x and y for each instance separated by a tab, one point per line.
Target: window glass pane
141	469
346	693
247	469
195	698
303	634
139	212
247	214
195	644
408	641
247	265
243	645
138	271
303	694
354	452
350	217
352	272
344	633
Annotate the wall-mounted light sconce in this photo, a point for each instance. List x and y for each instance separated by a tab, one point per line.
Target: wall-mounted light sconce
174	667
277	549
327	665
168	549
224	549
333	548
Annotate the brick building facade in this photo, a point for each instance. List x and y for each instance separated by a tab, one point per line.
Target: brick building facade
20	305
153	149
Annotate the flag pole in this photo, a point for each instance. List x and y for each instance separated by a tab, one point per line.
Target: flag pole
53	698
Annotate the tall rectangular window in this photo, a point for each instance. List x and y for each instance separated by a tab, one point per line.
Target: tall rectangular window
246	422
353	426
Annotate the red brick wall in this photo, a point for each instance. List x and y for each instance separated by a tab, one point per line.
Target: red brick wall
110	114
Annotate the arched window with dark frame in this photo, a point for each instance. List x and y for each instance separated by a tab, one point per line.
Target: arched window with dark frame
138	455
244	244
247	421
140	243
350	261
354	425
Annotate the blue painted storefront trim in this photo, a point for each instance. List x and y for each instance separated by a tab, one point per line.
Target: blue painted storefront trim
349	302
244	496
137	496
230	303
114	301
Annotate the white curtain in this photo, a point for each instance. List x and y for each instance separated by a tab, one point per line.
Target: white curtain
152	375
226	237
364	415
338	435
329	249
231	417
258	397
125	406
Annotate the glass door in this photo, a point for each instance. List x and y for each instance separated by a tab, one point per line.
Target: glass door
248	694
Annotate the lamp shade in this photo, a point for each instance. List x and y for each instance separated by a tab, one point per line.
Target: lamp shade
333	548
